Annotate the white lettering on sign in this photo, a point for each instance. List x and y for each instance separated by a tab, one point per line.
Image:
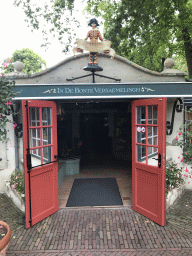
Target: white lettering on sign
79	90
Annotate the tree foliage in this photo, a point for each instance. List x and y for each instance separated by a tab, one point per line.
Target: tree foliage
146	31
143	31
53	17
32	61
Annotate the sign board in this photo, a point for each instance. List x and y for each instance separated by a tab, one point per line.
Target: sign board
112	90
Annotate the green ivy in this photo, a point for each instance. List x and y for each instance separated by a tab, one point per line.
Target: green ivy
6	95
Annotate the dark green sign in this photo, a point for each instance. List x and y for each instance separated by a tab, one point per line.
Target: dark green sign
39	91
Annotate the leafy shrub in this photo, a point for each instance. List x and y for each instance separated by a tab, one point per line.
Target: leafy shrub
17	182
173	177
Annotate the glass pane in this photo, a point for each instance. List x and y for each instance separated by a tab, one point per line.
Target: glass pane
152	135
153	114
141	154
141	115
47	153
155	131
34	117
141	134
35	157
46	116
46	136
34	137
152	153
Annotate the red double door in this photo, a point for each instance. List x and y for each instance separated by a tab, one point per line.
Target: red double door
148	159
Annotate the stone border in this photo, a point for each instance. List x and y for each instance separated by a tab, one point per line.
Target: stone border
15	197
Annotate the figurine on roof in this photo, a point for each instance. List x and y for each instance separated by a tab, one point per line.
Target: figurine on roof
93	46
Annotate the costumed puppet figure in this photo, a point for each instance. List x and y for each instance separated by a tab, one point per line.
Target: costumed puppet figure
93	34
93	46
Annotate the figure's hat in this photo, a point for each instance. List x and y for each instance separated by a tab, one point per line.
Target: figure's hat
93	21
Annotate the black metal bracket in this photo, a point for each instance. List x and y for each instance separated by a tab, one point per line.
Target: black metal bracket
178	108
93	74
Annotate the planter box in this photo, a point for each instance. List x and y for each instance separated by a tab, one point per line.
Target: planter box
12	193
68	167
72	166
173	195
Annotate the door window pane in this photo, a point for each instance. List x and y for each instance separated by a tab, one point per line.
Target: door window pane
141	134
141	115
46	116
35	157
141	154
153	114
152	153
34	117
152	135
47	153
46	136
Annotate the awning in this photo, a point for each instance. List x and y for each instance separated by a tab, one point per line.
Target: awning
112	90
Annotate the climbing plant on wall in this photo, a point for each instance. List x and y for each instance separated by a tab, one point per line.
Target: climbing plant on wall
6	104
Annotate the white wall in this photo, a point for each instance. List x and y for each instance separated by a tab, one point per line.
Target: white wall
8	150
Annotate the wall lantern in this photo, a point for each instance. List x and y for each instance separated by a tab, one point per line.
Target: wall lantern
178	108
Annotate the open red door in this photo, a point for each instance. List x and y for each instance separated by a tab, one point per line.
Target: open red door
148	158
40	159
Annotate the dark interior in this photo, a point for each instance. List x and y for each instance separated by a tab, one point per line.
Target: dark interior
98	132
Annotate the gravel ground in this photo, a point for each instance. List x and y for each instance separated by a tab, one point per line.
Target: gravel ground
11	214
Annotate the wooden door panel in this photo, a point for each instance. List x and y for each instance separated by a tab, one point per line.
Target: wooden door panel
148	145
41	168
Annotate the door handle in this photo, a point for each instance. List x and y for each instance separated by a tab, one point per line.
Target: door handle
158	159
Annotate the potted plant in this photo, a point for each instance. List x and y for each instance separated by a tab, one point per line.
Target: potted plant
5	236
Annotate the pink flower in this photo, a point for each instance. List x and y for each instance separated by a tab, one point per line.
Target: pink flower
14	125
5	64
188	182
9	60
186	169
8	103
2	74
176	138
1	226
179	133
182	160
178	157
191	159
186	153
186	175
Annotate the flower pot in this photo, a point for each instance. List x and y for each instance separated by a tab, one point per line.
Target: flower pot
5	241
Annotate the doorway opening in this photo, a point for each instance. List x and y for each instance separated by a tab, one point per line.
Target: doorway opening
96	137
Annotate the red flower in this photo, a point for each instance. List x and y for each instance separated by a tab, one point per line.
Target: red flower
191	159
179	133
8	103
186	169
176	138
5	64
182	160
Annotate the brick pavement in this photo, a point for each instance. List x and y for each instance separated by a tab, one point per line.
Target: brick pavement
99	231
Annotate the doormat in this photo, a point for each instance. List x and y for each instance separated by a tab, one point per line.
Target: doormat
94	192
